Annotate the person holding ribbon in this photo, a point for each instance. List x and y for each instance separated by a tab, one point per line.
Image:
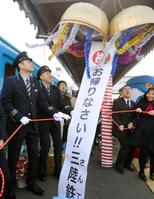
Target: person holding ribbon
3	162
56	101
20	96
122	129
144	133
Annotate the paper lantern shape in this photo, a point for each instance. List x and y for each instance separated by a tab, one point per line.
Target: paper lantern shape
131	17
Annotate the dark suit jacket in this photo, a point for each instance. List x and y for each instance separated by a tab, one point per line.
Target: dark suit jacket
121	118
17	103
55	100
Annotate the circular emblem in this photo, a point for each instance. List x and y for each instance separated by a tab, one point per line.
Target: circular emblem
97	57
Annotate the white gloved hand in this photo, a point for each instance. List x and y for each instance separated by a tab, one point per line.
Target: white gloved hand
57	117
1	143
64	116
121	127
25	120
72	112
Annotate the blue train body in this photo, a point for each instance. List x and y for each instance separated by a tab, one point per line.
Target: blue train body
7	54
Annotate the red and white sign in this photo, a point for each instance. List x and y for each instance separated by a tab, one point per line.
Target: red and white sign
98	56
82	128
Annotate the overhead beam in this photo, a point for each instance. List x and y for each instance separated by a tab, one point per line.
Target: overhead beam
50	1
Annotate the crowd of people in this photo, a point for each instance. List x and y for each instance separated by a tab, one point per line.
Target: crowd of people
25	98
134	129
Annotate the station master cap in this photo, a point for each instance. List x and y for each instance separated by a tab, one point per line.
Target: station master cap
43	69
21	57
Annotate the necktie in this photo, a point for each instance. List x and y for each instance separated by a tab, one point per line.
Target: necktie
28	87
128	104
48	90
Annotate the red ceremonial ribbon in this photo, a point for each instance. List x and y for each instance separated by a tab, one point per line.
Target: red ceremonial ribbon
3	183
5	143
125	111
49	119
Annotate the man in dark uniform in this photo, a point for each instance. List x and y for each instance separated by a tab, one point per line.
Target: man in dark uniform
20	96
54	98
62	85
124	120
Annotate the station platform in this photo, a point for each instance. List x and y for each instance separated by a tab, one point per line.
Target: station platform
102	183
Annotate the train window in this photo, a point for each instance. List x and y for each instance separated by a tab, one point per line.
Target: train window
9	70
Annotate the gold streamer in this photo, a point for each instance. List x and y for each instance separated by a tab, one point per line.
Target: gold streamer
60	37
137	39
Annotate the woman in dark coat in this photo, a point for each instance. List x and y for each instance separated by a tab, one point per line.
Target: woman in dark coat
144	132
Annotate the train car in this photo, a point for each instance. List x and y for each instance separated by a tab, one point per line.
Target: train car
7	54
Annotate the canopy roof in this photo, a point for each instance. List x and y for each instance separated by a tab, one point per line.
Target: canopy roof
45	15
